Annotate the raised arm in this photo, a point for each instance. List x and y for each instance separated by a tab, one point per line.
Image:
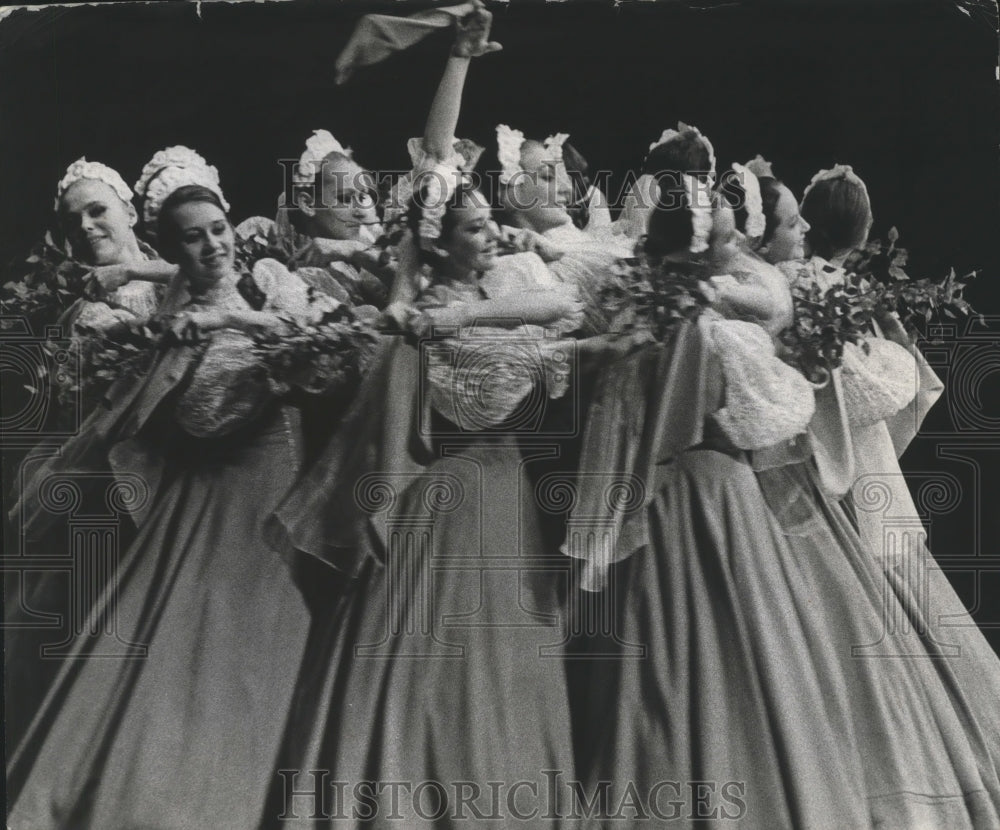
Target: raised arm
471	40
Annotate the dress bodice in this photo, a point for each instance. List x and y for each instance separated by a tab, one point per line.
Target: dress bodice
480	378
228	387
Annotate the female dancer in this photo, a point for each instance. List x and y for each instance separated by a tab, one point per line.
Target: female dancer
482	702
878	499
754	632
675	153
183	731
432	668
97	220
773	227
329	228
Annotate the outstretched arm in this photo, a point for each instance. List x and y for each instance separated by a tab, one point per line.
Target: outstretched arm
106	278
538	307
471	40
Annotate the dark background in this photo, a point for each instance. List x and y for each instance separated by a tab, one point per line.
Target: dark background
906	92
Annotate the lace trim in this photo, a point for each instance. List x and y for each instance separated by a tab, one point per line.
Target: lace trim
877	384
766	401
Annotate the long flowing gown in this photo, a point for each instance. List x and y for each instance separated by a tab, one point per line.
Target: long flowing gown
878	402
749	622
183	729
32	598
440	666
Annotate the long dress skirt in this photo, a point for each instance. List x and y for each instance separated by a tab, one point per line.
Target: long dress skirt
185	735
435	695
762	698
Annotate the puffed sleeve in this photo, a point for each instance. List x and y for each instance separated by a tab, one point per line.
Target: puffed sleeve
766	400
521	273
879	380
421	160
287	293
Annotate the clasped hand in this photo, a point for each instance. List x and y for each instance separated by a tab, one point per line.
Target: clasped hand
472	33
104	279
190	325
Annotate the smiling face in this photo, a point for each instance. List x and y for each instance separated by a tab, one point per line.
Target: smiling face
539	195
203	242
471	242
788	237
97	223
345	200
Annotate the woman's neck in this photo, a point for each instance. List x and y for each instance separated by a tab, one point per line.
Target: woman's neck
199	286
455	274
130	253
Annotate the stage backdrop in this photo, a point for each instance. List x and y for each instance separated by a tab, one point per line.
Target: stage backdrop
904	91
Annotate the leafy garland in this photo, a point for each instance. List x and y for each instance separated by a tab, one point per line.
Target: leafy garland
43	285
319	358
918	303
46	283
657	295
126	350
872	287
824	321
249	250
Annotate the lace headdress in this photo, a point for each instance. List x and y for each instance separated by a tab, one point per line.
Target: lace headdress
760	167
754	201
699	201
509	143
83	169
168	170
838	171
318	146
670	135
